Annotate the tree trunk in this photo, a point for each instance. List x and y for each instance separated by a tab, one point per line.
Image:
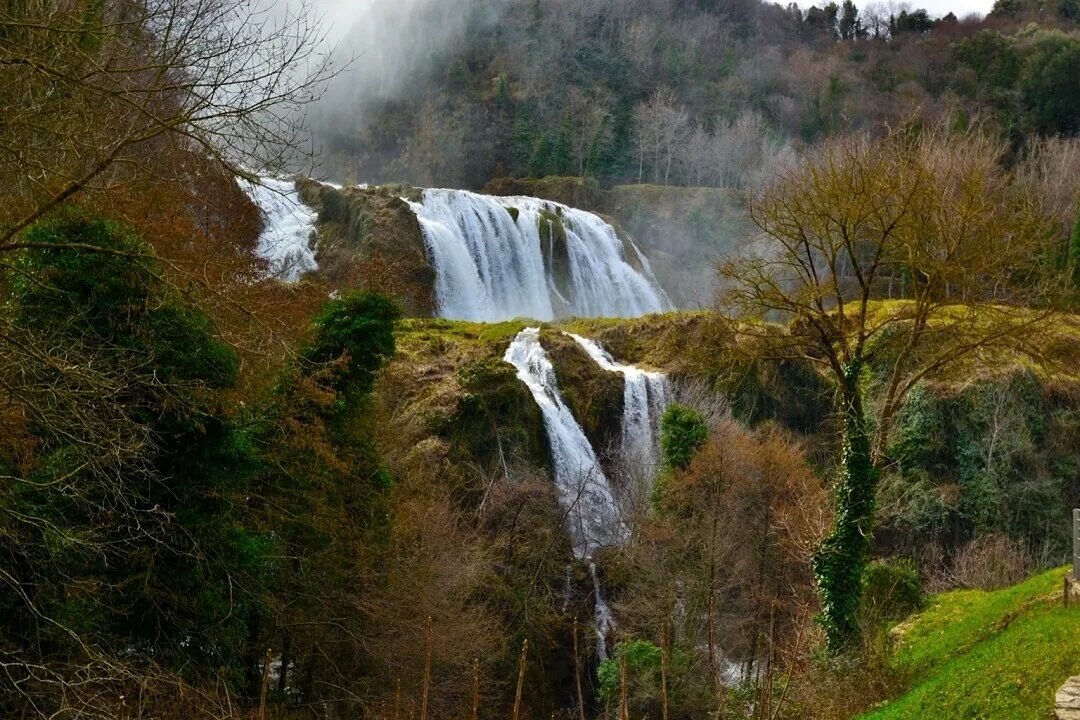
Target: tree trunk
839	560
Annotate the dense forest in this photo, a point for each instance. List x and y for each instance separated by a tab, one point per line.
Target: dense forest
688	93
745	387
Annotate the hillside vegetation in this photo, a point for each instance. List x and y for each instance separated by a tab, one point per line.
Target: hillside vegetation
987	654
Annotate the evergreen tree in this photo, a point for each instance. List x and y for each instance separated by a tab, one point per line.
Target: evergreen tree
561	162
850	25
540	160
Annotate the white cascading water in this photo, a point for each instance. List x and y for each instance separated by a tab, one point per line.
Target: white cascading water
605	620
586	494
645	397
490	265
288	224
584	491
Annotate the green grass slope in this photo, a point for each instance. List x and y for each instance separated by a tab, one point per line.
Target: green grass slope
987	655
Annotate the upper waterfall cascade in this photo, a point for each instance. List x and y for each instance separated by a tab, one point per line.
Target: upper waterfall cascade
497	258
586	494
288	224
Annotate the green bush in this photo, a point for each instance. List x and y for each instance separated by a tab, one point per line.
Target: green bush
642	672
356	330
682	432
892	590
136	472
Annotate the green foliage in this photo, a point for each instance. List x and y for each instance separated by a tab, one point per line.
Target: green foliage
561	163
642	672
840	559
892	590
993	456
1050	81
993	57
978	654
682	432
157	535
540	158
357	332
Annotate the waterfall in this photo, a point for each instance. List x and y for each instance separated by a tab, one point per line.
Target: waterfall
645	397
605	620
288	224
584	491
497	258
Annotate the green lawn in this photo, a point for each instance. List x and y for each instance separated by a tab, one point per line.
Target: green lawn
981	655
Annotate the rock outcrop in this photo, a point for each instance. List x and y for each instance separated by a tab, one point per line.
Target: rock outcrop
1067	700
369	237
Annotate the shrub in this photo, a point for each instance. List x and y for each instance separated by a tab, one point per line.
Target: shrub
892	590
642	676
682	432
990	562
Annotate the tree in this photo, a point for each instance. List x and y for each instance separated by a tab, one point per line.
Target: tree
1050	81
849	25
972	255
90	92
661	127
120	536
682	432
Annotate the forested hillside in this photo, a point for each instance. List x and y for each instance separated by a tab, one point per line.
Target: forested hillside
687	93
597	359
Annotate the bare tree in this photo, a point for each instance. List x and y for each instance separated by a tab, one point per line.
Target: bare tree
972	248
661	126
90	93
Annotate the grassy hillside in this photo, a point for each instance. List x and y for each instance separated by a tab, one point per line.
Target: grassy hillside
978	654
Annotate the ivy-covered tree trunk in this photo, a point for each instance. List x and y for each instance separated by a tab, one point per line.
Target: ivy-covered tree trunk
839	560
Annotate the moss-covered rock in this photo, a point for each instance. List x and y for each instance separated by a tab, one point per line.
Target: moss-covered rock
447	390
593	394
369	237
555	251
497	420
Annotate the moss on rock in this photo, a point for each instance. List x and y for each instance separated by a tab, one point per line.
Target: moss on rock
369	237
555	250
593	394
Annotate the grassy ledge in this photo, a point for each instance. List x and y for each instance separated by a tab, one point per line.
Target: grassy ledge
978	654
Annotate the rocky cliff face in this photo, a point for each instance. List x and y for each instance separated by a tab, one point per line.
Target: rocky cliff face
369	237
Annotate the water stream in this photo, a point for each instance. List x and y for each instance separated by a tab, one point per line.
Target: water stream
288	225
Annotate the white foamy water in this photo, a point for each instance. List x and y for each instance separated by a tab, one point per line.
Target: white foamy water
490	265
645	397
585	494
288	225
604	622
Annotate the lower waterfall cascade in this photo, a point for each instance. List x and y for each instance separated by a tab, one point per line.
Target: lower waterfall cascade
593	515
645	397
496	258
288	225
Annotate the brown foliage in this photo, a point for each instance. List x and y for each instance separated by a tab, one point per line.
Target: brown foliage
736	526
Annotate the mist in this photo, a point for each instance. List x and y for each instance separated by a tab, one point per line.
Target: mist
387	50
